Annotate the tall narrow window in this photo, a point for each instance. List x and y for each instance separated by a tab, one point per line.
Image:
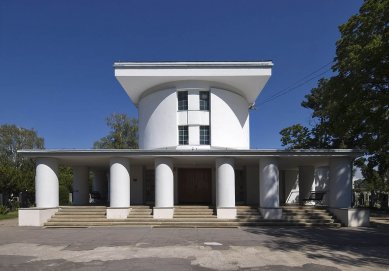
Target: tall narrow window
183	135
204	100
204	135
182	97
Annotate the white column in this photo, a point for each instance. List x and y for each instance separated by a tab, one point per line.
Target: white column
80	186
306	181
119	188
46	194
225	188
46	183
100	183
164	188
340	188
340	193
269	188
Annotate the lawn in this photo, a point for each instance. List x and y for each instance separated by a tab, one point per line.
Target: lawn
9	215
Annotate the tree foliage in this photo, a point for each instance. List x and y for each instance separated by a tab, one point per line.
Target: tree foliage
350	109
16	172
123	134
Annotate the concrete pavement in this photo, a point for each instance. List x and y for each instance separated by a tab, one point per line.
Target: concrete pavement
266	248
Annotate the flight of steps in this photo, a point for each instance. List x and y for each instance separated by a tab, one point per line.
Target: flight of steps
309	216
189	216
77	216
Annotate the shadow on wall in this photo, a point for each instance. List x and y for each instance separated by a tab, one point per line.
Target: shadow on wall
271	198
355	247
235	103
322	178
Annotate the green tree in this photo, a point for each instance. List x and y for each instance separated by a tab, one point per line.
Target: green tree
123	134
350	109
16	172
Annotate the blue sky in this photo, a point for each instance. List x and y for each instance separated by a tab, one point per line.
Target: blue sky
56	57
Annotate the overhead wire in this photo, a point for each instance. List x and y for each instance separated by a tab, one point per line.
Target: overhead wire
298	83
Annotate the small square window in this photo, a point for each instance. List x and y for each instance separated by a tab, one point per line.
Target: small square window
183	135
204	135
182	97
204	100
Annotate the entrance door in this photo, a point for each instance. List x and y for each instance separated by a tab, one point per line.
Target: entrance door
194	185
240	187
149	187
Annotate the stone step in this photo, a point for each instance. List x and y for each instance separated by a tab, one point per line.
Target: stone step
193	207
140	207
80	213
189	224
83	207
194	213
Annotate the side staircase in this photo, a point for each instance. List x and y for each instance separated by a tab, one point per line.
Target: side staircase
189	216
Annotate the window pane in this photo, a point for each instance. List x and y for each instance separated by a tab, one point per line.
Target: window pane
182	97
204	100
204	135
183	135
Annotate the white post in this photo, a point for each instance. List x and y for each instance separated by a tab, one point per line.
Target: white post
46	194
340	188
269	188
46	183
340	193
306	182
80	186
119	188
164	188
225	188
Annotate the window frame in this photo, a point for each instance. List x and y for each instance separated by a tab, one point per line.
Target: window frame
202	136
183	142
201	101
179	101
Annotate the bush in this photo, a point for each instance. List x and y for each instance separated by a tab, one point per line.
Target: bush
4	210
63	195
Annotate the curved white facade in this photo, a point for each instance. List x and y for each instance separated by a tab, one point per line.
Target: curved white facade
227	118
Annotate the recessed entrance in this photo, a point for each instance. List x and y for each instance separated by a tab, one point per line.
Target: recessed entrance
194	185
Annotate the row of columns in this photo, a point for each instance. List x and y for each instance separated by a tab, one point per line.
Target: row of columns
119	188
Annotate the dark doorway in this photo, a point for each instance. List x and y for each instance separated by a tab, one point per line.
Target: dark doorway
240	187
149	186
194	185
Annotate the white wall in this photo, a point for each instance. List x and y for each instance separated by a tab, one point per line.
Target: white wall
229	120
158	120
291	186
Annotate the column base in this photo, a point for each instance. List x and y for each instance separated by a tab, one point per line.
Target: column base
226	212
35	216
163	212
118	212
351	217
271	213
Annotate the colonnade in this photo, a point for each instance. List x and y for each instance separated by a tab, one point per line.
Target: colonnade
47	187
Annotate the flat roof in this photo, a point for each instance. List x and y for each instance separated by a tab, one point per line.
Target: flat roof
246	78
99	158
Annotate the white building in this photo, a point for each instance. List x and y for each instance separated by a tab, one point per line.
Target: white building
195	149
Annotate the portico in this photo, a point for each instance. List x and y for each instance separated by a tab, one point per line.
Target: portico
264	171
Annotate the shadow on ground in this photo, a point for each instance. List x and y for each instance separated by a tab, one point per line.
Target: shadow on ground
355	247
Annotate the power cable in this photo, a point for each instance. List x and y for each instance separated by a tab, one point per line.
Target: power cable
299	83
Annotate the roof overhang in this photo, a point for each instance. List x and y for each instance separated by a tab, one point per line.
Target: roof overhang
100	158
247	78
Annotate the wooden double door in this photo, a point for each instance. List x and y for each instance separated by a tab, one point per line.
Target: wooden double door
195	185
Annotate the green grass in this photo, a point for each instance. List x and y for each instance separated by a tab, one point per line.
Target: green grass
10	215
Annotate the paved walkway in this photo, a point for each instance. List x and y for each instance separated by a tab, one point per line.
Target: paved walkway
267	248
